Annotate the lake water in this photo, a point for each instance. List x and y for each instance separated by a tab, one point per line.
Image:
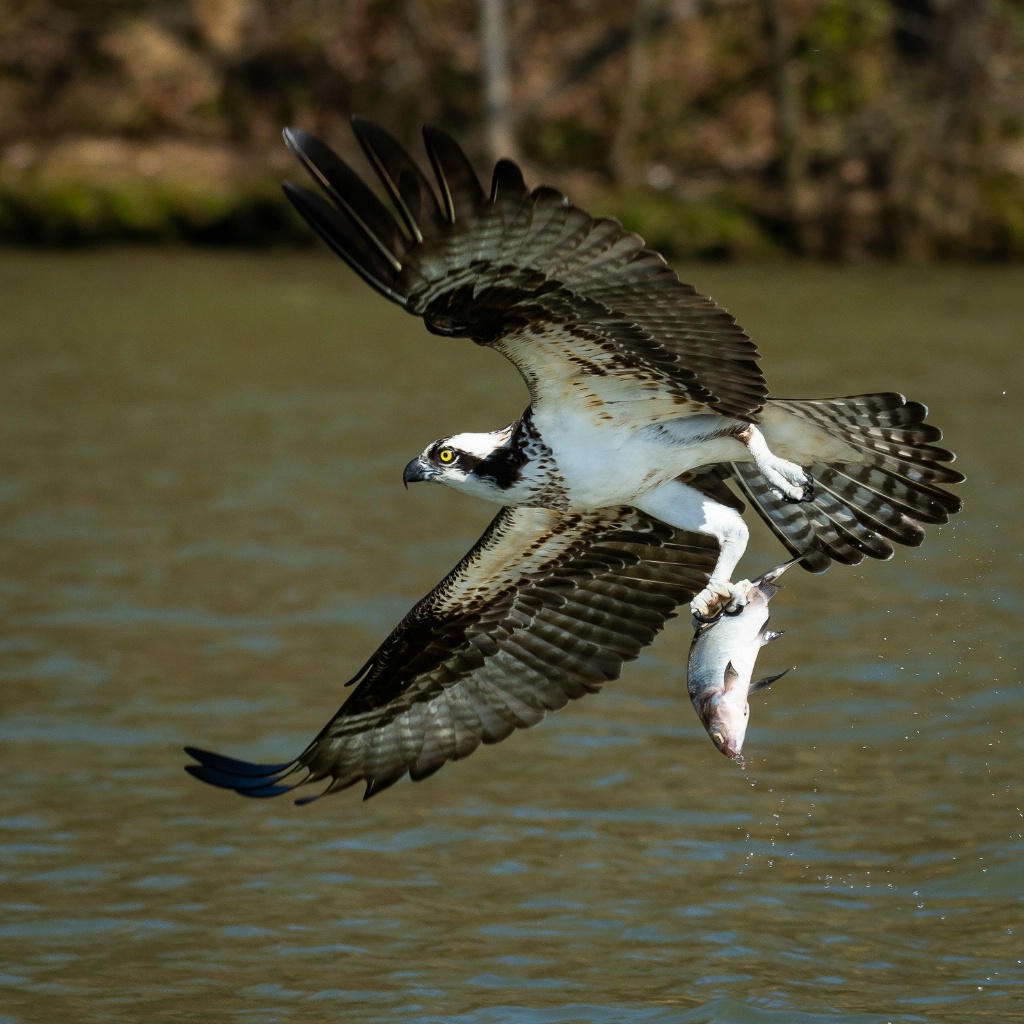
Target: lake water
203	533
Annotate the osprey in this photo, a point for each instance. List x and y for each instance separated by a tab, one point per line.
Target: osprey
645	400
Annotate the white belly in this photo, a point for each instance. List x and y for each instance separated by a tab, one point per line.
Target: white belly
614	460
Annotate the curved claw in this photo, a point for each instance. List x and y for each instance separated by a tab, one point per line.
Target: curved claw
718	597
706	620
806	492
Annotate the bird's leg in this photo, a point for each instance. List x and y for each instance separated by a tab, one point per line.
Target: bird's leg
686	508
786	478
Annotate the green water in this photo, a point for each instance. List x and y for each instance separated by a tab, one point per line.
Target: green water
203	532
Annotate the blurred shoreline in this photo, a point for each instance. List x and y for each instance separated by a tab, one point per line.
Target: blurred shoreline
845	130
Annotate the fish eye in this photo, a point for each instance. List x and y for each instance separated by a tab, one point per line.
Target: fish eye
446	455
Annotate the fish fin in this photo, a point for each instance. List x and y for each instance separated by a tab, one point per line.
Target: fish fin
731	675
768	635
763	684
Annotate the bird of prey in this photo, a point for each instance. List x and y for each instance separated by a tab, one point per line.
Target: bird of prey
646	400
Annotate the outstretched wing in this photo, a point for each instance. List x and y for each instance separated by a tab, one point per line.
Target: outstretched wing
566	297
545	608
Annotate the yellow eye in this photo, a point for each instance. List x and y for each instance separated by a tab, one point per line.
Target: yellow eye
446	455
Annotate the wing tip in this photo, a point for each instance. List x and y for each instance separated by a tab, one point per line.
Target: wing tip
294	139
243	777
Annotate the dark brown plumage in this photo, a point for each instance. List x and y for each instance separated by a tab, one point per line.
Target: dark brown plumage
486	264
545	608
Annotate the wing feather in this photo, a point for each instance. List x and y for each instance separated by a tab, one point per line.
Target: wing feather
545	608
460	187
347	190
346	236
514	269
406	184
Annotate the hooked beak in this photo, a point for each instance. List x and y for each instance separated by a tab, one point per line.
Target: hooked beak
416	471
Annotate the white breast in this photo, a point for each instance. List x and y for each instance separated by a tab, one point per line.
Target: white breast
615	454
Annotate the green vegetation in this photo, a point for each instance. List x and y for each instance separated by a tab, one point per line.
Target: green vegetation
712	228
76	202
844	129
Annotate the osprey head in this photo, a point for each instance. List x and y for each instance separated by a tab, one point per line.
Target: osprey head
478	463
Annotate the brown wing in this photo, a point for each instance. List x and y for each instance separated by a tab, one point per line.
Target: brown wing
561	294
545	608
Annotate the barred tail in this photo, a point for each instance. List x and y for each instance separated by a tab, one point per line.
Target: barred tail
877	482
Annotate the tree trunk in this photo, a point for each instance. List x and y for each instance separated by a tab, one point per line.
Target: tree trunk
623	149
498	129
787	113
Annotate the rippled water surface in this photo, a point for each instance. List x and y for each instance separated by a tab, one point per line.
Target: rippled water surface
203	533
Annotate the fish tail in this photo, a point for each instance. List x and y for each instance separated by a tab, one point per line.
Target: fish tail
768	581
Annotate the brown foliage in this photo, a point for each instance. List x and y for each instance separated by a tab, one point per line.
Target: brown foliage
848	129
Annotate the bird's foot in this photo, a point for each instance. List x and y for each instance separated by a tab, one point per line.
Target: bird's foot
788	480
718	597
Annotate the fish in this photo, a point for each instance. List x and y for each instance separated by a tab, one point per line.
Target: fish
721	663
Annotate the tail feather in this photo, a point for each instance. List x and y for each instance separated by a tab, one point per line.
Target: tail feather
886	427
887	409
872	514
860	507
925	463
876	492
860	532
803	530
818	532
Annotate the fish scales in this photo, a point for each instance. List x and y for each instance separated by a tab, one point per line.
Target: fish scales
721	665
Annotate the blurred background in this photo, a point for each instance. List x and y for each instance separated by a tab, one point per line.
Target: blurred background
845	129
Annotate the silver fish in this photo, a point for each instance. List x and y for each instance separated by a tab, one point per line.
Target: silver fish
721	663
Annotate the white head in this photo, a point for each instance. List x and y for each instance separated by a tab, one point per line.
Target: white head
481	464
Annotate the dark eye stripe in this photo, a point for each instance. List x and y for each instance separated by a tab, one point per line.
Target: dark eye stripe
464	460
